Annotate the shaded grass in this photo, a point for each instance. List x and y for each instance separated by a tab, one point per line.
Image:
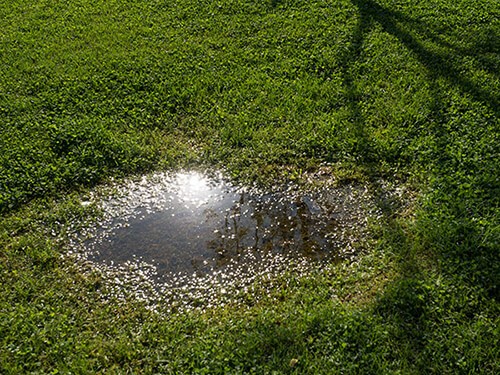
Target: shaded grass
268	90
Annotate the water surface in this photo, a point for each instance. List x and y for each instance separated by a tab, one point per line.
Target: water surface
199	230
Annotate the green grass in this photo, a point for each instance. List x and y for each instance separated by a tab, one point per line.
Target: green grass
270	90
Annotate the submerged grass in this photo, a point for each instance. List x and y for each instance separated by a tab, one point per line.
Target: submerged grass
406	90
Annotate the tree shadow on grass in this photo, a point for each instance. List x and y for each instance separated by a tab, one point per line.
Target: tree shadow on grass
440	65
463	253
362	146
441	59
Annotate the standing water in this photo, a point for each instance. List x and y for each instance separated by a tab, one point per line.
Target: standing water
199	233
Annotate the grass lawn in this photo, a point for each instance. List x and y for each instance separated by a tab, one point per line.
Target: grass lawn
271	90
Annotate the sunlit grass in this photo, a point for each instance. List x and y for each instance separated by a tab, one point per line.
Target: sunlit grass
270	90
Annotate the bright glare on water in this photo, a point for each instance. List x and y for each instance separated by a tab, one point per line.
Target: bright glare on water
200	232
206	223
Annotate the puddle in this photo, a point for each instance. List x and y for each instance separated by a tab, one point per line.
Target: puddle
193	238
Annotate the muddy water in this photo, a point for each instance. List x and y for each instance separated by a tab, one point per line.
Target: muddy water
199	232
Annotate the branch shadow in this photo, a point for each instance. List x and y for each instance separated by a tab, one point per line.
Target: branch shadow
362	146
438	64
410	301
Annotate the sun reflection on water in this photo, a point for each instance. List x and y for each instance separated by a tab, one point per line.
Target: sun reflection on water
193	187
191	227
